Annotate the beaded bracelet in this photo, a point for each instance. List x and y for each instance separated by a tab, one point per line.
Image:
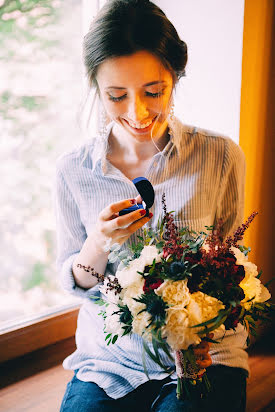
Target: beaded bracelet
112	284
91	270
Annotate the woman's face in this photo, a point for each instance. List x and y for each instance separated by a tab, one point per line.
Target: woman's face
135	91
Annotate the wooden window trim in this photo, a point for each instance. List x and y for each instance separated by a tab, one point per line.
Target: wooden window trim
37	334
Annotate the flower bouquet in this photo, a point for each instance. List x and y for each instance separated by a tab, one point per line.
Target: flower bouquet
175	287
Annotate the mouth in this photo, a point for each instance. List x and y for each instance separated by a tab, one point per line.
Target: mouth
140	128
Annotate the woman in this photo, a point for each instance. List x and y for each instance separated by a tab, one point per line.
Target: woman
134	58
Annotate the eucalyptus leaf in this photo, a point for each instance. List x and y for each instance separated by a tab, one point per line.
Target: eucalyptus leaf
115	247
123	254
112	257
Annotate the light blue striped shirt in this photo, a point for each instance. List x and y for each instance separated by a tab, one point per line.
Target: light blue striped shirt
202	175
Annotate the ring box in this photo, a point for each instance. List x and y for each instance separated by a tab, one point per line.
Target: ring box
147	193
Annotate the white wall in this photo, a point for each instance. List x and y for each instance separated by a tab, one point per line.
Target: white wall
209	95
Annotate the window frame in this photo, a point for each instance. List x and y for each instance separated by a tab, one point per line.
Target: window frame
38	333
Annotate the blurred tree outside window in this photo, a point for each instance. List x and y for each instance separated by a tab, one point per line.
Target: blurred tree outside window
41	92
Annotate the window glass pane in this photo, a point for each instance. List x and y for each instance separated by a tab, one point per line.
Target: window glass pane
41	92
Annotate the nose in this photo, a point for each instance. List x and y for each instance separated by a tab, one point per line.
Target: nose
137	109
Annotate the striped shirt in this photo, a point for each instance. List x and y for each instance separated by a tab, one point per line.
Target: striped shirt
202	175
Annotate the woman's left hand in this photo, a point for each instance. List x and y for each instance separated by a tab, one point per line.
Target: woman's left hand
203	358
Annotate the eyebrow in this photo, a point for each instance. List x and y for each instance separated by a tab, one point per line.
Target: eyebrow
145	85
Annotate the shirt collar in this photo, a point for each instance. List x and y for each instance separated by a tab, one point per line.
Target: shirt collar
100	147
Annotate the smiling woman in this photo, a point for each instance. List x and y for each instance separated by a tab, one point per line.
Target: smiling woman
134	58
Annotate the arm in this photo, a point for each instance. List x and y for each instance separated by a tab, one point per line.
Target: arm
73	243
230	204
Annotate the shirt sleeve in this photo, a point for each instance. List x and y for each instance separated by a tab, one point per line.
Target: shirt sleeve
230	205
71	235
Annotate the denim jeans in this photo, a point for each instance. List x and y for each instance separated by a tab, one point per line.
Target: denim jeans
228	394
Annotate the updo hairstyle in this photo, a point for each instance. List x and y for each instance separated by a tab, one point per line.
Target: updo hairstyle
124	27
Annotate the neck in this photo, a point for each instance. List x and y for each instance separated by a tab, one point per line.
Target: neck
121	144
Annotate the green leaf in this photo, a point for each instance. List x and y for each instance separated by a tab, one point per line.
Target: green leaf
99	301
114	339
213	327
269	282
259	274
154	358
144	363
216	318
210	340
155	347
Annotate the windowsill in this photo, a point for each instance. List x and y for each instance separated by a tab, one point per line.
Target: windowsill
37	334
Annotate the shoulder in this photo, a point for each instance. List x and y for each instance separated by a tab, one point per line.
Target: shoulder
213	142
77	157
232	151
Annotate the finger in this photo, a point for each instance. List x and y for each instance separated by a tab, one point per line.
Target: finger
210	336
135	226
204	363
203	345
108	212
199	351
122	222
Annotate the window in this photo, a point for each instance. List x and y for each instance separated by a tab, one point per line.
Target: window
40	100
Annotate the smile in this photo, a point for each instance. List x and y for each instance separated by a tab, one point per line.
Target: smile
142	126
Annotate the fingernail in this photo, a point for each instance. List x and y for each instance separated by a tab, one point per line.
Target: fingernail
150	215
133	201
142	212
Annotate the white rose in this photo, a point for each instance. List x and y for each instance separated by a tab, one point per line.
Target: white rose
178	328
112	323
174	293
203	307
254	291
264	294
129	275
249	267
240	256
149	253
133	291
177	331
140	323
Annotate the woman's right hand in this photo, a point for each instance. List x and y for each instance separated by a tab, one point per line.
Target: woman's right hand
112	228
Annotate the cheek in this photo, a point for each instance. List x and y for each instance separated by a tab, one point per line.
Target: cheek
163	107
112	109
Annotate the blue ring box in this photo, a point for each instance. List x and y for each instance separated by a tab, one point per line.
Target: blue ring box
147	193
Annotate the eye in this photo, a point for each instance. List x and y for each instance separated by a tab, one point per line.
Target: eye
116	99
157	94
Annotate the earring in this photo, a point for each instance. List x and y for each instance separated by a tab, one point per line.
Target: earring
172	114
102	123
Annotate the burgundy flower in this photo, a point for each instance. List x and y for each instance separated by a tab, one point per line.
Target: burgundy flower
238	273
151	283
198	272
233	319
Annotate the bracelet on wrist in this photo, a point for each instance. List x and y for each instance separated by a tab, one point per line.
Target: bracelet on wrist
112	284
91	270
